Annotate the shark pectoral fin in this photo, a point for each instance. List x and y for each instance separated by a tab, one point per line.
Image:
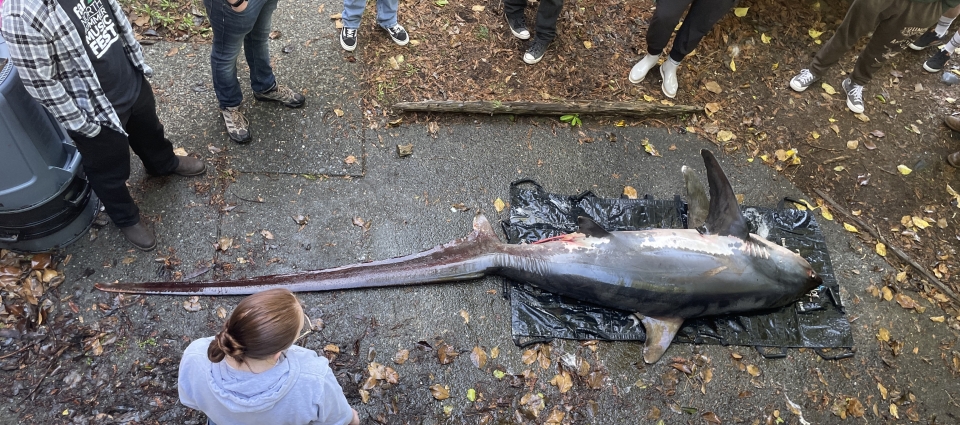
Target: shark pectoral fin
660	333
591	228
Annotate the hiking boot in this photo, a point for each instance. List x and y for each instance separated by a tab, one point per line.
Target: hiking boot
937	61
640	70
536	51
668	70
803	80
398	34
283	94
237	126
348	39
953	122
518	27
189	166
140	236
954	160
928	39
854	96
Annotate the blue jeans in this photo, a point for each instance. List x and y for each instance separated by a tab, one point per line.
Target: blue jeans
251	29
386	12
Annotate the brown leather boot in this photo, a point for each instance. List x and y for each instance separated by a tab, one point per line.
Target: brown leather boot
189	166
140	236
954	159
952	121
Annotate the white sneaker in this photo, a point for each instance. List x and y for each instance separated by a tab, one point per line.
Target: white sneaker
668	70
854	96
640	70
803	80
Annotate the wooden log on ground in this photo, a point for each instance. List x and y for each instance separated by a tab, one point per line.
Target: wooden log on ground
899	253
630	109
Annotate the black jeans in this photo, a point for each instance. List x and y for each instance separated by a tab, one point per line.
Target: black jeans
547	15
106	157
701	18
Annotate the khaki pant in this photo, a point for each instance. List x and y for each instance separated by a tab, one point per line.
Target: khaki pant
891	21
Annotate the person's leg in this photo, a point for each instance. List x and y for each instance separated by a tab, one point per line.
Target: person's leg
664	20
146	136
889	29
862	17
229	30
352	11
106	163
256	47
547	14
514	8
701	18
387	13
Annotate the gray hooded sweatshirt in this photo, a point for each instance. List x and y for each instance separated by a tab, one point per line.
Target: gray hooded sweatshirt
301	389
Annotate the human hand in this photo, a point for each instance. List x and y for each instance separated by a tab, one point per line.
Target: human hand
356	418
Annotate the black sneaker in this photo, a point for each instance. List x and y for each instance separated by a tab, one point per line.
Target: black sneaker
928	39
937	61
518	27
399	35
283	94
348	39
536	51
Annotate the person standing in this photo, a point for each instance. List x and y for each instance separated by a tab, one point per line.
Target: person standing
548	12
700	19
936	35
386	18
888	20
251	373
236	24
80	60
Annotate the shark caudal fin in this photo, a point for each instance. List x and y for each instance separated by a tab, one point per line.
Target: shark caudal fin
724	218
697	204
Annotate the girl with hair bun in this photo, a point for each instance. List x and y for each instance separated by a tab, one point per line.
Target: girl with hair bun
252	373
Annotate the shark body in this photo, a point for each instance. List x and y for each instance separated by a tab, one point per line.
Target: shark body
664	276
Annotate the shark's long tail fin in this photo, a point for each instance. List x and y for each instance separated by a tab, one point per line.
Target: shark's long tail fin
724	217
466	258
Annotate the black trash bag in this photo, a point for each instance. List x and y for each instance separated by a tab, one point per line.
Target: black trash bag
817	321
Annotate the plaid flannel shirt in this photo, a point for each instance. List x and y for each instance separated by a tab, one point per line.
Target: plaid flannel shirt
46	48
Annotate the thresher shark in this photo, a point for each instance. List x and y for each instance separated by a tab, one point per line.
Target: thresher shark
663	276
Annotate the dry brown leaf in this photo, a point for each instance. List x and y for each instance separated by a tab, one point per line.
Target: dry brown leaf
401	356
440	392
710	417
753	370
446	353
478	357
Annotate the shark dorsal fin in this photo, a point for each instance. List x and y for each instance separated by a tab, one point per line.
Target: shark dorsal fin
591	228
724	218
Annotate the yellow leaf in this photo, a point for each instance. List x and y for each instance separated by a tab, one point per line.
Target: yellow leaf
587	44
893	411
938	319
826	213
478	8
919	222
886	293
903	169
648	98
839	168
753	370
630	192
733	65
850	228
740	11
883	390
472	394
338	111
853	144
883	334
902	277
881	249
815	135
828	88
620	123
765	39
775	66
725	135
814	33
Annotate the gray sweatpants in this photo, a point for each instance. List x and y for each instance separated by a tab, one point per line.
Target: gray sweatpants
890	21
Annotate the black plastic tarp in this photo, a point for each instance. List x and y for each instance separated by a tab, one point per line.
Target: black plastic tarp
817	321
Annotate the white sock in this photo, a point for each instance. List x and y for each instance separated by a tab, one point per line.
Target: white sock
953	44
943	25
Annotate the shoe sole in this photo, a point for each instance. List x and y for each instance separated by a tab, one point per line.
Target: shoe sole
800	89
346	47
916	47
289	105
929	69
853	107
401	43
531	62
519	35
144	249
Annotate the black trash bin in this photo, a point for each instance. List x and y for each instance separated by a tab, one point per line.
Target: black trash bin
45	200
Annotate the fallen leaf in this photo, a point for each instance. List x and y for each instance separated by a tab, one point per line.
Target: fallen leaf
478	8
852	144
713	87
192	304
883	335
478	357
587	44
440	392
828	88
465	315
630	192
850	228
919	222
753	370
338	111
903	169
906	302
725	136
499	205
401	356
740	11
471	395
938	319
711	418
266	234
350	159
886	293
881	249
562	381
883	390
173	51
814	34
